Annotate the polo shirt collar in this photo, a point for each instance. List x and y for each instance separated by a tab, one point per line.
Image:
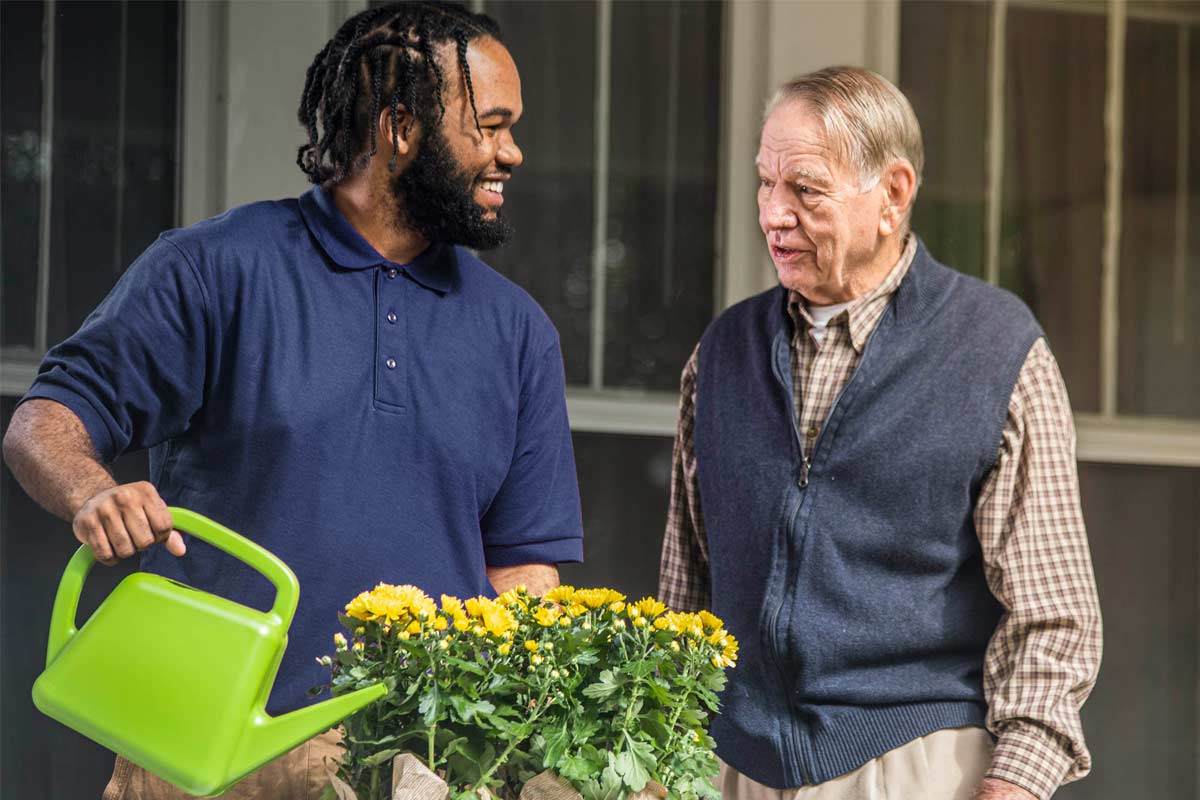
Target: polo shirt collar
433	269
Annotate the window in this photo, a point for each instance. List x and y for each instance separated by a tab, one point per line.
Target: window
616	217
88	183
616	205
1074	183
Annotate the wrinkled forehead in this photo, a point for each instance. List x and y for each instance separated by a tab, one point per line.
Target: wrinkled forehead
794	144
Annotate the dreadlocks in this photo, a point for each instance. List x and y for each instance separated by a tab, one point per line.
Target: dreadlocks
383	54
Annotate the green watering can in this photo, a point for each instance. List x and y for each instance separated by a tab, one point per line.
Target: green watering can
175	679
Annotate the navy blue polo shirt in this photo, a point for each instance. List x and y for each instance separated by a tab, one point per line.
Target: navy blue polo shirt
363	420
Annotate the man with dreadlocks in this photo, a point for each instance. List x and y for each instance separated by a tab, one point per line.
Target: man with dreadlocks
330	375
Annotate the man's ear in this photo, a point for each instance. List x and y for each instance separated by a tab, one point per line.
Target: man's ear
899	182
408	130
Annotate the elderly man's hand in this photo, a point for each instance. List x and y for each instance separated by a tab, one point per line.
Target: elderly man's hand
996	789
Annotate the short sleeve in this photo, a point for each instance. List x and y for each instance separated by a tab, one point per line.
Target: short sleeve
134	371
535	517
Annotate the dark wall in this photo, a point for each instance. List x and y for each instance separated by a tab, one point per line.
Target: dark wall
43	759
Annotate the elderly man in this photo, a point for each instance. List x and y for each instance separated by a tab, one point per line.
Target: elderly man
875	486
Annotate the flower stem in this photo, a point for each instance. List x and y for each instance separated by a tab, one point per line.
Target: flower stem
511	746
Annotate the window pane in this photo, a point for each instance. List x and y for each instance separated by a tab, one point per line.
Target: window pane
1160	284
1053	207
624	484
549	200
1141	721
944	74
662	188
114	147
20	176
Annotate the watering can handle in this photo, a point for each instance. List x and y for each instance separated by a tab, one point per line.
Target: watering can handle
287	588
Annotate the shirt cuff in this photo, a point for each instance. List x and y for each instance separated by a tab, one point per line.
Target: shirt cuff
545	551
1030	758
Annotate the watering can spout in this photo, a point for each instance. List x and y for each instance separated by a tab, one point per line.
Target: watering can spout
266	737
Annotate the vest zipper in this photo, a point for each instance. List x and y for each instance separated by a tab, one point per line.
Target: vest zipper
802	482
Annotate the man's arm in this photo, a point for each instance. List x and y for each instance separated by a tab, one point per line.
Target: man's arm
537	578
51	455
684	582
1042	662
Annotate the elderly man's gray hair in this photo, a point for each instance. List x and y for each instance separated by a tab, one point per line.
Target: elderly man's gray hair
868	121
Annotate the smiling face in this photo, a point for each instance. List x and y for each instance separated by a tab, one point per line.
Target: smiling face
823	231
453	189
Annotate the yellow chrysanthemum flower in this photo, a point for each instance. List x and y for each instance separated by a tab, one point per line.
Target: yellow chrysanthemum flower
498	620
546	615
453	606
649	607
339	641
514	598
388	603
564	595
710	621
504	649
531	645
413	628
440	624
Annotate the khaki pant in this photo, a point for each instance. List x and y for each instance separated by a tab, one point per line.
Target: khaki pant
945	765
298	774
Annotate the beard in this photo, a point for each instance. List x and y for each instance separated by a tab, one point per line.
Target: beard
435	198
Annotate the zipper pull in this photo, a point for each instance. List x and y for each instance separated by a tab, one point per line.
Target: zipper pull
804	465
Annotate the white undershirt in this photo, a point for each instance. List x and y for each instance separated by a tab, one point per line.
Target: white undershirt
821	315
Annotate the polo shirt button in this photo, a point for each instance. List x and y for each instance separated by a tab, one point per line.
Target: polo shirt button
391	363
391	317
391	273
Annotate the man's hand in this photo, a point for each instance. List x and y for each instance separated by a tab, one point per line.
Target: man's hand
123	520
996	789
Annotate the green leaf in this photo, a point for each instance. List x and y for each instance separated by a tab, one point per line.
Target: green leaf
642	751
467	710
610	783
604	687
654	723
577	769
557	741
586	657
381	757
430	706
631	771
639	669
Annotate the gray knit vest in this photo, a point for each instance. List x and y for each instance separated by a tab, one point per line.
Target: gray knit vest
855	583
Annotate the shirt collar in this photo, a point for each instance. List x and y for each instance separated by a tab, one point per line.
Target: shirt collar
865	312
433	269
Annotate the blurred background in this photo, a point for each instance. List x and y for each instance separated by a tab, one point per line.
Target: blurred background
1063	162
